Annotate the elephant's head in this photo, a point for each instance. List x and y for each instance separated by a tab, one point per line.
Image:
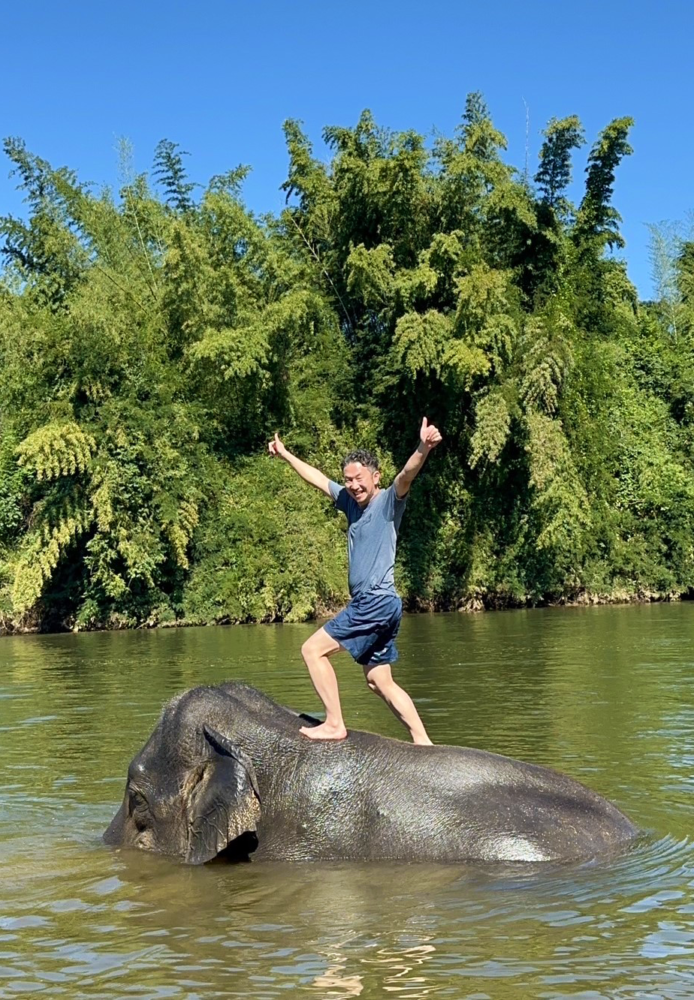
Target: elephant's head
191	791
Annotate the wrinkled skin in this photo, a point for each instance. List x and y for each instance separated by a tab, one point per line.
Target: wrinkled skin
226	771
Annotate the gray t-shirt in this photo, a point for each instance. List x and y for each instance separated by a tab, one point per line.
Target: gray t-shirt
371	538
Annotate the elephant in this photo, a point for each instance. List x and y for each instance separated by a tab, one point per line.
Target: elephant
227	773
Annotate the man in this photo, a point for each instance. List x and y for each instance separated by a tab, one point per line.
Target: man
367	627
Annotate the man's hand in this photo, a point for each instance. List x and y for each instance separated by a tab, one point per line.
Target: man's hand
429	436
276	448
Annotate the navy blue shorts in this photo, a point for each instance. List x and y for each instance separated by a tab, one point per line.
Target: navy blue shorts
367	627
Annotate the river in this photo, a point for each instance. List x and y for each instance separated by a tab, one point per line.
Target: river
605	694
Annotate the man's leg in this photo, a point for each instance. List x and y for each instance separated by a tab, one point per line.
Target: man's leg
315	652
380	680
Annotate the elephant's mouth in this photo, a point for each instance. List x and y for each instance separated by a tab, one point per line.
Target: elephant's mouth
239	849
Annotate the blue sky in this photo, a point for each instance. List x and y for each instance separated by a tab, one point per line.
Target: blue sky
220	78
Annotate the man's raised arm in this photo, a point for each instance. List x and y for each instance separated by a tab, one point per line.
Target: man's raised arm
429	437
310	475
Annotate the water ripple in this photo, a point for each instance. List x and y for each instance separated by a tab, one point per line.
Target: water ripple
603	694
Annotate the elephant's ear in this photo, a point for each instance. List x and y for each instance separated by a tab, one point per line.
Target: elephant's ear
224	803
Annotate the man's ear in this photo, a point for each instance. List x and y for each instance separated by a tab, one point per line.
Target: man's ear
225	802
377	477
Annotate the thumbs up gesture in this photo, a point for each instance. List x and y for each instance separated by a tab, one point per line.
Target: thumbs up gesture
276	447
429	436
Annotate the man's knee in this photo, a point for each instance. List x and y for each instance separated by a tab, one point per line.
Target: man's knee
319	644
380	681
311	648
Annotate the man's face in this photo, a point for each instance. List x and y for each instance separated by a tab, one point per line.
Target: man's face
361	483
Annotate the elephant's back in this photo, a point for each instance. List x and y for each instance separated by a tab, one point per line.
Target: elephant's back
507	809
445	803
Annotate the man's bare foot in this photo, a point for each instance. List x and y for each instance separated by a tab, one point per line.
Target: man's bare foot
422	741
324	732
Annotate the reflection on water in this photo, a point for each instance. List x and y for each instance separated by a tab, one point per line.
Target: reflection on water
604	694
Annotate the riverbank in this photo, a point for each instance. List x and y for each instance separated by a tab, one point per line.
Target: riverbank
32	625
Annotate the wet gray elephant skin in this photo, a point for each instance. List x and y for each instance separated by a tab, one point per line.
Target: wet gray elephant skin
226	771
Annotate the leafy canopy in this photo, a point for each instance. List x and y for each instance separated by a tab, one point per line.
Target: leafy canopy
152	339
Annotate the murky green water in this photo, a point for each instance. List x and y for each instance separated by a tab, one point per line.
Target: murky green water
605	694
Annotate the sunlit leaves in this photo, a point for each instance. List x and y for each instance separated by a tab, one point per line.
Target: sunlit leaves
547	359
557	494
486	314
420	341
152	338
554	173
41	551
492	427
597	218
370	275
57	450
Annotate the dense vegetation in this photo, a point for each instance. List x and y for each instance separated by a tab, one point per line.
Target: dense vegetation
151	341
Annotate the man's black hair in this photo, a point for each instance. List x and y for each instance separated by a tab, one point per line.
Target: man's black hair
364	458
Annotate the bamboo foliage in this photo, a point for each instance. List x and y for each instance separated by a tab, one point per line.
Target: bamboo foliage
153	338
180	531
42	551
56	450
492	428
547	361
557	492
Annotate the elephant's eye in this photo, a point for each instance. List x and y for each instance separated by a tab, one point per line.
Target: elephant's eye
138	809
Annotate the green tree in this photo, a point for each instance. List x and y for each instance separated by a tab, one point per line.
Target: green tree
153	338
